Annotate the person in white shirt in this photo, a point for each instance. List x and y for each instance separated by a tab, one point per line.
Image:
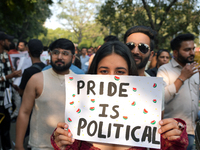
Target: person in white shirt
181	76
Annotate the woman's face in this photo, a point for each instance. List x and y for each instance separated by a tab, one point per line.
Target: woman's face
163	58
113	64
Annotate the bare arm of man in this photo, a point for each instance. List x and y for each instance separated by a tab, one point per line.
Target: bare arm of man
32	91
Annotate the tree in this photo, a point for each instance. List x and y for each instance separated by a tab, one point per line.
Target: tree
167	17
24	18
93	35
53	35
77	16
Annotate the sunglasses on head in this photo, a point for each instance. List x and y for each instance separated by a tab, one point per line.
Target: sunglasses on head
144	48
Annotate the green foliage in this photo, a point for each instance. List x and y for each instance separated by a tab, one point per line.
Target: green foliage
53	35
93	35
24	18
77	16
167	17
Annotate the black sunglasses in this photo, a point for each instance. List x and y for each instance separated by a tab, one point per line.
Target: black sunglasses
144	48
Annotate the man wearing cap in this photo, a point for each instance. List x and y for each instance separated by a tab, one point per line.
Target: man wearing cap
35	49
45	95
5	75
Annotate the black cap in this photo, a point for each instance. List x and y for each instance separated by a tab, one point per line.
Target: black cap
4	36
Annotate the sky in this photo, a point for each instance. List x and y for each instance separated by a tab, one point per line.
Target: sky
53	23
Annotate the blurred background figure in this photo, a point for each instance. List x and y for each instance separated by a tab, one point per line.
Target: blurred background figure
13	50
21	46
110	38
162	57
91	57
6	75
35	49
90	52
84	60
77	61
151	64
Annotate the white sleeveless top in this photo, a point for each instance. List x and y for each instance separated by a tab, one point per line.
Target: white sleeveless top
48	110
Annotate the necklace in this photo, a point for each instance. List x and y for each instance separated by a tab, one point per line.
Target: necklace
60	80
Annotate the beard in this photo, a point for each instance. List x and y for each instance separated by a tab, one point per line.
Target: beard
6	47
60	68
143	62
184	60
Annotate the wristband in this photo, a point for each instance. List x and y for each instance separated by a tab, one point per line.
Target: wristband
4	78
181	80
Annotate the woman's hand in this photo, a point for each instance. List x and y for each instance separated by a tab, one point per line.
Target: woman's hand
169	129
62	136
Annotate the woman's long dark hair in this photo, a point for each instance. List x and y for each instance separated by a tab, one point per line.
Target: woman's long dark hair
116	47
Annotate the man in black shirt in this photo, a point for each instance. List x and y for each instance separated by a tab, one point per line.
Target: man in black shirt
35	49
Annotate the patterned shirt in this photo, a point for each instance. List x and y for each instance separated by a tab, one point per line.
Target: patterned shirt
5	69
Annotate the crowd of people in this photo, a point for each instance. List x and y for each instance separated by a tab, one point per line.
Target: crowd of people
40	97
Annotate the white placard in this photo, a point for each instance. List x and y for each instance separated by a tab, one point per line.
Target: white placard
123	110
44	57
15	59
21	61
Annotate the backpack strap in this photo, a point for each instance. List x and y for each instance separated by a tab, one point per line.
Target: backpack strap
37	66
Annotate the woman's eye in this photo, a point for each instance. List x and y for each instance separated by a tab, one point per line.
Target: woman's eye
120	72
103	71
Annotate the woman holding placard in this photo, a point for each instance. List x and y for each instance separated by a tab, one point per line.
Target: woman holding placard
114	58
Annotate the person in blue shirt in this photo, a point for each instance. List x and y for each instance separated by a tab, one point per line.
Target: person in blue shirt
84	58
75	69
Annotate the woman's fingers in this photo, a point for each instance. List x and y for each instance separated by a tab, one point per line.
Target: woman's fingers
63	140
169	129
62	136
62	125
172	134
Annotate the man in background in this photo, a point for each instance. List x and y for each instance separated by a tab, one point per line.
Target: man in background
181	77
5	75
84	60
140	40
35	48
22	46
15	95
90	52
45	95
